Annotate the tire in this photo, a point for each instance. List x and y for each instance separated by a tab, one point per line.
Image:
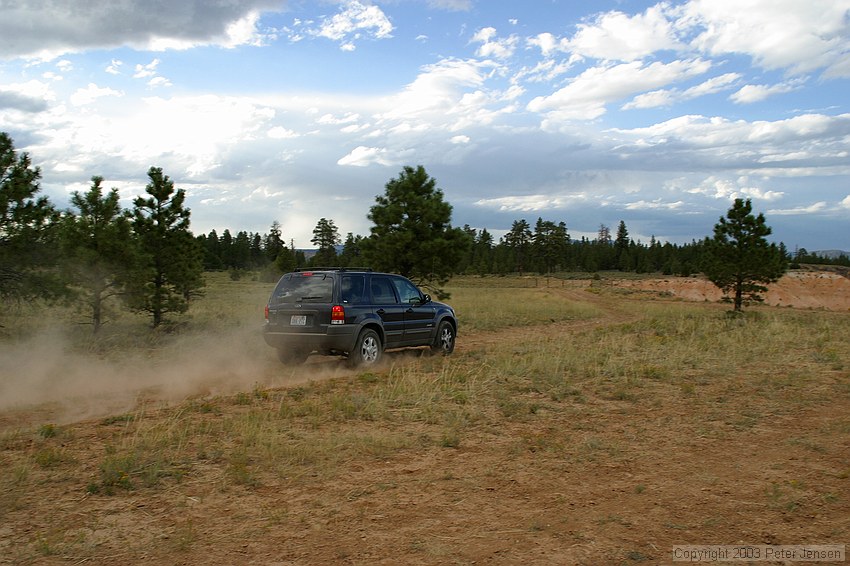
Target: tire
291	356
444	343
367	351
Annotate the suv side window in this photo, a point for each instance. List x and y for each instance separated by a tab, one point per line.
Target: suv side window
353	287
406	290
382	291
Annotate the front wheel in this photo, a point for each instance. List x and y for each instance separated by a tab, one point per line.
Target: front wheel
367	350
444	343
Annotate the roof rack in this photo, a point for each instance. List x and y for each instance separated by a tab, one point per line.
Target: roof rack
332	269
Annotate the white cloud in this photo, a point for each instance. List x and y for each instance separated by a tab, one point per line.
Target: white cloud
548	43
186	135
800	210
281	133
362	156
353	21
821	135
528	203
748	94
778	34
148	70
616	36
91	93
330	119
587	95
491	46
659	98
157	82
761	194
544	71
114	67
846	202
244	31
656	204
31	90
437	90
730	189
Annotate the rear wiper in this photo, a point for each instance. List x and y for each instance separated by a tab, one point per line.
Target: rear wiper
309	298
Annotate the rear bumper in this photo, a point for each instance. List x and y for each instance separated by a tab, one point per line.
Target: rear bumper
340	338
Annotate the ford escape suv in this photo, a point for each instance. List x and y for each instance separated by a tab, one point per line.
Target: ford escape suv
353	312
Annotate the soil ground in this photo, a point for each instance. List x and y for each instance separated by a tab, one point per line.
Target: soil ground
621	483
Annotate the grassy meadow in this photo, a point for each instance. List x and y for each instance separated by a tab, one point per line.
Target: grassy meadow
572	424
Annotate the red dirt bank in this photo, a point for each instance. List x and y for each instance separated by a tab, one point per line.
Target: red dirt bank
799	288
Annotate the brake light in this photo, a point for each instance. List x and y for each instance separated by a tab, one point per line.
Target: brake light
267	313
337	314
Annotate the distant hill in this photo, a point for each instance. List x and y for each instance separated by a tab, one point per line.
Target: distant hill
831	254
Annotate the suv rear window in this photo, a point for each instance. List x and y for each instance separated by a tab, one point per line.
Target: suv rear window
304	288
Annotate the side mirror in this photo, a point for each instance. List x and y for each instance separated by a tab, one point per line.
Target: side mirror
426	298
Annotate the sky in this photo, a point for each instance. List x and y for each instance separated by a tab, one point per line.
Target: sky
657	114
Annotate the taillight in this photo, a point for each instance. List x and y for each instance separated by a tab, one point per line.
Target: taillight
337	314
267	313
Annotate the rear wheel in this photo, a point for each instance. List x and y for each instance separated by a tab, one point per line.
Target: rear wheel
292	356
444	343
367	350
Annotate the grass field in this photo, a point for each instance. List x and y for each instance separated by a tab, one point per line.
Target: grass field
573	425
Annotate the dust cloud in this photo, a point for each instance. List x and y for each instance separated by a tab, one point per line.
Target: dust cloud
43	378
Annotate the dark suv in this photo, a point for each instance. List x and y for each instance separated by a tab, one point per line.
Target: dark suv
353	312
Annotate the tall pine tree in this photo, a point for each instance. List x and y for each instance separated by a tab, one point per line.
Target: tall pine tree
172	259
412	233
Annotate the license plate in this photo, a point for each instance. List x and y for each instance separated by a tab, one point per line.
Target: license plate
298	320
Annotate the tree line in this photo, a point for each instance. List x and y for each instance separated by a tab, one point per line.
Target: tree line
544	249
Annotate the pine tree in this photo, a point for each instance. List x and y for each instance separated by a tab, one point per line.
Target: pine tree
27	229
412	233
549	242
738	259
172	259
518	239
351	253
622	248
325	237
98	253
273	242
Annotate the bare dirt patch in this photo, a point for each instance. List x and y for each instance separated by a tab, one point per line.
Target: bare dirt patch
809	289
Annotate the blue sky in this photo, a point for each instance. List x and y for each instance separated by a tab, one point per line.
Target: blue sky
655	113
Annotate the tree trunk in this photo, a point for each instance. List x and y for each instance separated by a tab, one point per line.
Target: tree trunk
739	295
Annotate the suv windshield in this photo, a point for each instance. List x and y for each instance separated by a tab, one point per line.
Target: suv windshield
304	288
